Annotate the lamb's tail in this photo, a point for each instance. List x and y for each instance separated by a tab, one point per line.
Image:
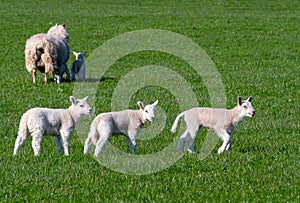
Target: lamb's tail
175	124
22	133
95	133
23	127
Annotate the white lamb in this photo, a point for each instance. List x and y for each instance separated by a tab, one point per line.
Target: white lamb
57	122
78	67
126	122
222	121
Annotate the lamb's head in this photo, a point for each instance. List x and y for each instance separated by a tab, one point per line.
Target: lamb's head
80	106
79	55
148	110
60	31
246	107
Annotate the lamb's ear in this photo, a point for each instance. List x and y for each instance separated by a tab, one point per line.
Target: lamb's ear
73	100
64	25
141	105
155	103
74	53
249	99
240	101
84	53
86	98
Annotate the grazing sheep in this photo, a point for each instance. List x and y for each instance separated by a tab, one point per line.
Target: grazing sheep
222	121
126	122
78	66
48	53
57	122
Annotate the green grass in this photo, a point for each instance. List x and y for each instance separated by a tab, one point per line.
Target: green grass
255	47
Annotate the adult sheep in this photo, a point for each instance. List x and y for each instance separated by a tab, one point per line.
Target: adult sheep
48	53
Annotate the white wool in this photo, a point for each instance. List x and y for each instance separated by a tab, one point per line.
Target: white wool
222	121
57	122
126	122
48	53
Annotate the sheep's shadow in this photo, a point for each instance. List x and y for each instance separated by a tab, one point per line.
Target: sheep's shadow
89	80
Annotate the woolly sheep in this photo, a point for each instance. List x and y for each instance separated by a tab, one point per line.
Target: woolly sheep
78	66
222	121
126	122
48	53
57	122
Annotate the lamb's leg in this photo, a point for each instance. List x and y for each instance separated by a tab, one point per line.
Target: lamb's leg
226	139
65	142
58	144
19	142
229	144
88	142
181	141
132	144
190	139
36	142
100	144
131	138
92	137
72	73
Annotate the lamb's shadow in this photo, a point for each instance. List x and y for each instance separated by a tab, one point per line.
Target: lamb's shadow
95	80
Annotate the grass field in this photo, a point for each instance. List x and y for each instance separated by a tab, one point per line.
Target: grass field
255	46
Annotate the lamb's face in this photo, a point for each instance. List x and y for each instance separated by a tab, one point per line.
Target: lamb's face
81	106
247	108
149	111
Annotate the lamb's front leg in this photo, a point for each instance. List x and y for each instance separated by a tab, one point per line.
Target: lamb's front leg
65	142
222	133
227	148
132	141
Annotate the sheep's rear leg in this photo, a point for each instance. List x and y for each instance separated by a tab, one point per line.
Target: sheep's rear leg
69	77
34	76
46	77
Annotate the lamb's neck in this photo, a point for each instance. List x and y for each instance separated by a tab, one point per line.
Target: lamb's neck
140	117
75	117
235	116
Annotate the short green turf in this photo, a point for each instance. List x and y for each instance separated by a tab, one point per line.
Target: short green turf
255	46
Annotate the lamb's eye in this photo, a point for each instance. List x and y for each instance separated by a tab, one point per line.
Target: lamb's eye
245	107
146	111
81	105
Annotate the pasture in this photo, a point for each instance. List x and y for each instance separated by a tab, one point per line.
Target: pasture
255	47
